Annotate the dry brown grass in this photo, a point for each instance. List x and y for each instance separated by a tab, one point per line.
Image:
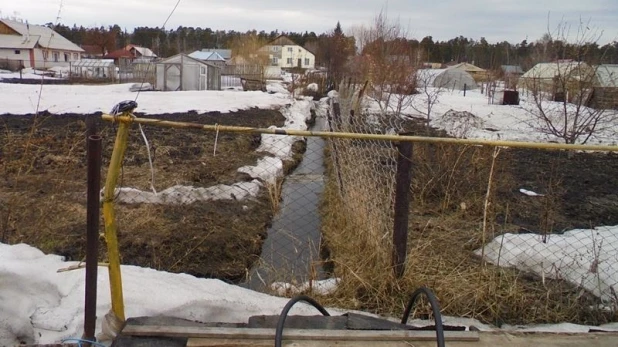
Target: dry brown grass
441	243
43	200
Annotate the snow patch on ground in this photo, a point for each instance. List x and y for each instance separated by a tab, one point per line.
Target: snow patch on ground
584	257
267	169
492	121
86	99
182	195
323	287
39	305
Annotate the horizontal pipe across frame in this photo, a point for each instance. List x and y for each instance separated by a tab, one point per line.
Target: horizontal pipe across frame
360	136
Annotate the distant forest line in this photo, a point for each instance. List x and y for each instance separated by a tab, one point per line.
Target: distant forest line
167	42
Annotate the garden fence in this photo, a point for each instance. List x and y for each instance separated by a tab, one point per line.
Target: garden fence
256	205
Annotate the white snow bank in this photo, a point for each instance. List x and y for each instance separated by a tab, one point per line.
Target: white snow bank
561	328
85	99
267	169
323	287
39	305
491	121
276	87
296	117
584	257
181	195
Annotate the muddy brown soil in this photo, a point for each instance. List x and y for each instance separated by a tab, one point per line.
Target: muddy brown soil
43	184
580	190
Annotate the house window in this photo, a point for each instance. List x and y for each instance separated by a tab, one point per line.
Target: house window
275	61
75	56
307	61
66	56
274	48
289	49
289	61
45	55
17	51
56	56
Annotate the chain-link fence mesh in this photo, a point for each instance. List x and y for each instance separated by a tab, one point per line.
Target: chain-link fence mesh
255	209
519	203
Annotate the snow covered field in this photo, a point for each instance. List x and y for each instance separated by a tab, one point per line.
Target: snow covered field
40	305
493	122
22	99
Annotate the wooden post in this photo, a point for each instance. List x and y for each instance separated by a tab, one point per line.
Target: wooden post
111	237
402	207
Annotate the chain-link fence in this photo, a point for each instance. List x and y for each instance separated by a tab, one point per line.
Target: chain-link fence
255	209
491	229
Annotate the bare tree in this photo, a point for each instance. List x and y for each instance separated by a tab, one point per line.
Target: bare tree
561	90
387	62
429	90
250	56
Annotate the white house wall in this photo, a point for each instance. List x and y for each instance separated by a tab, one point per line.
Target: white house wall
9	53
289	55
40	61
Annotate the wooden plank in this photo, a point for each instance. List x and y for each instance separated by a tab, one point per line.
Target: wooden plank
297	334
300	322
138	341
488	339
361	322
201	342
173	321
352	321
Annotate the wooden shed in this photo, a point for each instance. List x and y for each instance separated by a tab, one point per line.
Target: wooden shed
181	72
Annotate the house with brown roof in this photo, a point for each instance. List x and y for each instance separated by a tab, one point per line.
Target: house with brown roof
132	53
35	46
286	54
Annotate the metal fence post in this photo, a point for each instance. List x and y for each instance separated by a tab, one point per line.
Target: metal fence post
402	207
92	232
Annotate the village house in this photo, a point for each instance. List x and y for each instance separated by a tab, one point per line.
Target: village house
211	57
131	53
226	54
35	46
286	54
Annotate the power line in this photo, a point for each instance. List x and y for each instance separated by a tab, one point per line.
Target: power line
148	68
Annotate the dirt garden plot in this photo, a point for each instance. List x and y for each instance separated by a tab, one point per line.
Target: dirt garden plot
43	184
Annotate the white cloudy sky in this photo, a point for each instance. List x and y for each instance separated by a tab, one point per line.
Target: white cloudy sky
496	20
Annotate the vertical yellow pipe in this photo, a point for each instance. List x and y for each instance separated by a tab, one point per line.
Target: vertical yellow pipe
111	237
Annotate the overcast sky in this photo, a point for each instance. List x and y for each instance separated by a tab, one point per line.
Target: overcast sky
496	20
